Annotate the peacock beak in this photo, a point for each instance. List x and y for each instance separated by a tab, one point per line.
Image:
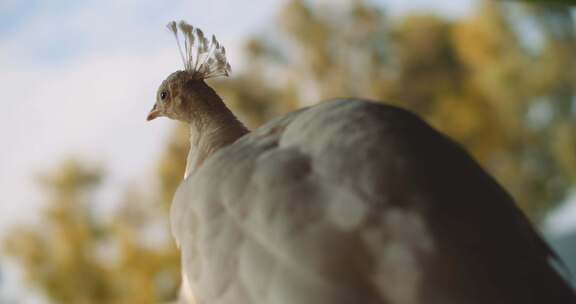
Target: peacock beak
154	113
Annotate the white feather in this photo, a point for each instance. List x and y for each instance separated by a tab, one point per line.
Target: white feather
204	58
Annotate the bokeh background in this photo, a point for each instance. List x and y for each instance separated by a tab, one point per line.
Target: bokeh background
86	183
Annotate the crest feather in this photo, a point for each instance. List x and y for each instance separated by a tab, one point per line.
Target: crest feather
203	58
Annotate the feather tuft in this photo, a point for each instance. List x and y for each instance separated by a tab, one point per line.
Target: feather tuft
202	57
172	27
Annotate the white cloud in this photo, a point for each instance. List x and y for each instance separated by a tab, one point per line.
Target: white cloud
95	108
445	8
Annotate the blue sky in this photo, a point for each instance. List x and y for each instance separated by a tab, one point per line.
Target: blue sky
78	78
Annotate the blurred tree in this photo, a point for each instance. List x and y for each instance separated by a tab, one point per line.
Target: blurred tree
475	79
552	2
530	85
75	256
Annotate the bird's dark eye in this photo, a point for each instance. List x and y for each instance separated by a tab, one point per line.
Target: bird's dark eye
163	95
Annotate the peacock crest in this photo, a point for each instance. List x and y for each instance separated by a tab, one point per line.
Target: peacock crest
203	58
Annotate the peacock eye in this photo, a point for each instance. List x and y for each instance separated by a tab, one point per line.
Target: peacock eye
163	95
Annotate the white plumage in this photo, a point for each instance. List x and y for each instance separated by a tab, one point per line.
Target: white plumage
344	203
348	201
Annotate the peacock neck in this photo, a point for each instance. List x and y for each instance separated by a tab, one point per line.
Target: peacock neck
211	131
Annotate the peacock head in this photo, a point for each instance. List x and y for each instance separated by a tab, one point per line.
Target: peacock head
184	92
